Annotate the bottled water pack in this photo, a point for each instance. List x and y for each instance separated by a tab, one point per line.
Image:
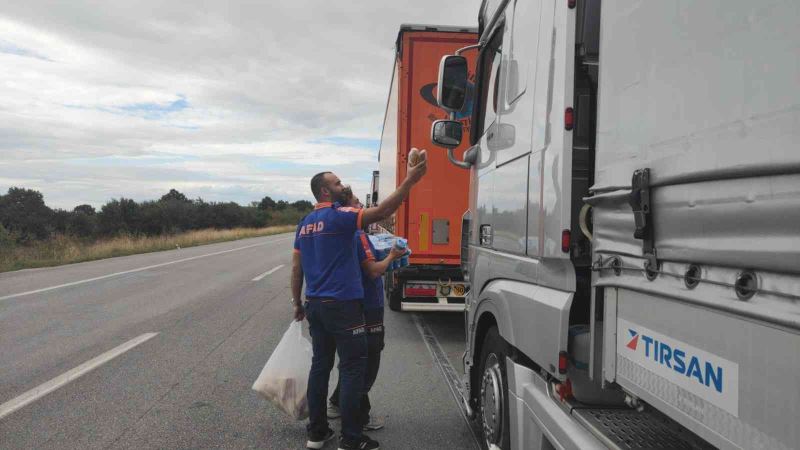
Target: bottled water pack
384	242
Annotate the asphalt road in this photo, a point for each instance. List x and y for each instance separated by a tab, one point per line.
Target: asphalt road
195	327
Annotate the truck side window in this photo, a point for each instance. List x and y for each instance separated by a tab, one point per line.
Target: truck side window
492	85
488	85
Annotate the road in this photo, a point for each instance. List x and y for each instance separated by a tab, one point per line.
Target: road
174	340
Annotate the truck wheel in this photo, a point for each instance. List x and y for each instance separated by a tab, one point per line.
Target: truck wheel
394	300
493	397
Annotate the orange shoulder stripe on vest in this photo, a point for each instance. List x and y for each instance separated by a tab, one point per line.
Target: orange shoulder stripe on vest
365	244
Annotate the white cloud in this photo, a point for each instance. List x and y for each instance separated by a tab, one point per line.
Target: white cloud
239	99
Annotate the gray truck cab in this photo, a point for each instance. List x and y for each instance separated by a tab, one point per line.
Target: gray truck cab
624	292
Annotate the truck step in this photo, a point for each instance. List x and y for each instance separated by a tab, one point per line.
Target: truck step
628	429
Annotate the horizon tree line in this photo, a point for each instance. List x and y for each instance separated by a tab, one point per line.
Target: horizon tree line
25	218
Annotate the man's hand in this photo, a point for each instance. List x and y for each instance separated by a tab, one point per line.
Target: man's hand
389	205
375	269
396	253
299	312
415	173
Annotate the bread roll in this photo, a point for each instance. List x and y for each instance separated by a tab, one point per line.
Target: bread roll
416	156
413	157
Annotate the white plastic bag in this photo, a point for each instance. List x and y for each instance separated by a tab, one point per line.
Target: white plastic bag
284	379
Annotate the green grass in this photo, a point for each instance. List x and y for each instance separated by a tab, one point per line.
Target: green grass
60	250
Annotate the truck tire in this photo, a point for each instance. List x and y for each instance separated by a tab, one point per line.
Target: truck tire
493	417
395	298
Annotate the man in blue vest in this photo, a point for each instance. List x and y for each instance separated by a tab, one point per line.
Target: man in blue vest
325	255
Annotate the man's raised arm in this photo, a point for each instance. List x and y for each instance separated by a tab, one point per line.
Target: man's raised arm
374	269
390	204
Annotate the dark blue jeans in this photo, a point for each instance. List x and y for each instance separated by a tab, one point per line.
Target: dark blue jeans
375	344
336	327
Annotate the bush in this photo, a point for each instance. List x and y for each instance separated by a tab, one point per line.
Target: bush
118	217
266	203
26	218
81	225
8	240
23	212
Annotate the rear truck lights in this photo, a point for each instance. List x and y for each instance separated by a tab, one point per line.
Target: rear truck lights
419	290
566	238
571	3
569	119
563	359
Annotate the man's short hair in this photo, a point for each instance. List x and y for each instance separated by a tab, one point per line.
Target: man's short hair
317	183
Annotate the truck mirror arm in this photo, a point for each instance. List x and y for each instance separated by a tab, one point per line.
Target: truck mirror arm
469	47
468	158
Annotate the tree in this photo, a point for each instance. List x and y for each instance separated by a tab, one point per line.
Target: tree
60	220
178	216
119	216
151	220
203	217
266	203
174	195
227	215
8	239
303	205
24	216
23	212
262	219
85	209
81	223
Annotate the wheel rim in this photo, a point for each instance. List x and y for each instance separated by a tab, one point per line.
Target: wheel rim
492	401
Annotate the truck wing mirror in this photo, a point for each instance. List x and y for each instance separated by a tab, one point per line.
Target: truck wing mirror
446	133
452	90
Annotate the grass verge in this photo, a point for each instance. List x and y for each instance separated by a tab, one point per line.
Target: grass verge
61	250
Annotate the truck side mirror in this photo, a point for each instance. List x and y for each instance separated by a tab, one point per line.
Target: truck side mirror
452	92
446	133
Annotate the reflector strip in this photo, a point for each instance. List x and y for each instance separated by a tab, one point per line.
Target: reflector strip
424	231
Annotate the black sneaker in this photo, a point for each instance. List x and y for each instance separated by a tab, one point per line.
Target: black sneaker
316	440
364	444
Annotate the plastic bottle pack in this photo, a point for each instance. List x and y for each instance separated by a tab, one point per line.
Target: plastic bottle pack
384	242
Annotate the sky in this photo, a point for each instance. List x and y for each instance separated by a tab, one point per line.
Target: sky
222	100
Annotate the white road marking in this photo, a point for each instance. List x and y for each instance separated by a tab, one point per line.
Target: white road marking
88	280
63	379
269	272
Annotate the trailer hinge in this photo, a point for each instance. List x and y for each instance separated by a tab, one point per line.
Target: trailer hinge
643	216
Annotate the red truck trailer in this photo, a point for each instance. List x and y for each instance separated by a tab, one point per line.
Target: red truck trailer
431	217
